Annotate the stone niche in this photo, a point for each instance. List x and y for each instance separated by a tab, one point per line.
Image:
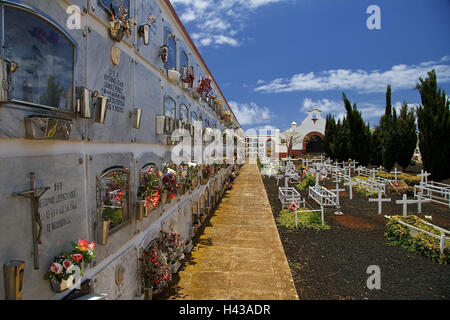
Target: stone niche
62	211
98	165
114	82
148	98
12	115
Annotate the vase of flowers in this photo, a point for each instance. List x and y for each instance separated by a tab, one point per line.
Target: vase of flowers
66	269
169	182
120	25
155	272
149	191
172	245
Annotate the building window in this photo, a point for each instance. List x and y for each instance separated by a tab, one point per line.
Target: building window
184	113
170	107
169	41
45	54
193	116
113	197
184	59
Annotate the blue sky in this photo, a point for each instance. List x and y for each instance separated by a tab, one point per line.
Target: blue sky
276	59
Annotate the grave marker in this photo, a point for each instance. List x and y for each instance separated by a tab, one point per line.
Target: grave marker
380	201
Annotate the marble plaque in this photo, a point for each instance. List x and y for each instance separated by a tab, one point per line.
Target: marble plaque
62	209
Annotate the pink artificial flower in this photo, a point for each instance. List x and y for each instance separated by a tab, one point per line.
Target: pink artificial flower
67	264
56	268
91	246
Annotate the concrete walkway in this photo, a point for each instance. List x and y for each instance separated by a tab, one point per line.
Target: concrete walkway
239	255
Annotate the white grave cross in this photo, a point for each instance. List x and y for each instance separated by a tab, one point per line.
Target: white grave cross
424	177
395	172
380	201
350	185
405	203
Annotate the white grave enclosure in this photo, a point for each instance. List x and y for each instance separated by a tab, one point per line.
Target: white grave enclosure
111	115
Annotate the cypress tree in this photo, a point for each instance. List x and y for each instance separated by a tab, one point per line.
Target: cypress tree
376	144
340	142
407	136
389	143
359	134
330	135
433	117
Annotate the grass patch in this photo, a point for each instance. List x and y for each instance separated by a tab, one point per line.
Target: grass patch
306	220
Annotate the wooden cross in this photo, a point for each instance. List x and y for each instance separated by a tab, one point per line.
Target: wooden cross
350	184
395	172
34	195
380	201
424	177
405	203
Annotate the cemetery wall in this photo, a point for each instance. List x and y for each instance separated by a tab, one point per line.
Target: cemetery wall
44	129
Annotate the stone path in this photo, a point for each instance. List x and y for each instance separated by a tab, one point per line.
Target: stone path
239	256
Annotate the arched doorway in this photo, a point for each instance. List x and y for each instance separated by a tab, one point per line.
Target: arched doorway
313	143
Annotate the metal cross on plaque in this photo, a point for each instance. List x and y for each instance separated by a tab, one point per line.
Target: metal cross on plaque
34	195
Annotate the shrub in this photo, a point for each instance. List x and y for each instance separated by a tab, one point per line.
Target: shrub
306	220
308	180
422	243
401	189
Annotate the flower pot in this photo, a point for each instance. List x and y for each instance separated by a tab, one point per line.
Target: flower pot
194	183
140	210
188	248
202	218
178	124
164	197
160	124
173	75
186	85
174	266
168	124
103	232
63	285
148	293
204	181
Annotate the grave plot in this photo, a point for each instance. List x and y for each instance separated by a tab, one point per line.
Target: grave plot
332	264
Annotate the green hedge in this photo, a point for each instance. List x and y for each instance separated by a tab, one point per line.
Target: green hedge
308	181
306	220
422	243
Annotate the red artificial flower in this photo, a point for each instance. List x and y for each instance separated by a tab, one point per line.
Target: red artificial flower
82	245
77	257
172	196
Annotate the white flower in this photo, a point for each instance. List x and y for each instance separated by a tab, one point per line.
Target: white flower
56	268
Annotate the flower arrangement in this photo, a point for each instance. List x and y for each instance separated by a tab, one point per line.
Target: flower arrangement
150	189
204	86
207	171
120	25
293	206
170	182
191	175
155	270
66	264
172	245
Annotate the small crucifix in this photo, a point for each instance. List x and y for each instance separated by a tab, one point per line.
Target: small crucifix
34	195
420	200
380	201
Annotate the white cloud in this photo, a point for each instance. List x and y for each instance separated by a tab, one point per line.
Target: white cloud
217	22
250	113
399	76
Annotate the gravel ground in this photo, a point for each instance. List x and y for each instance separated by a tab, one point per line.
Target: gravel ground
332	264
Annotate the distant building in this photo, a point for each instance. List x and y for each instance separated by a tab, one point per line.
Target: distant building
307	139
307	136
